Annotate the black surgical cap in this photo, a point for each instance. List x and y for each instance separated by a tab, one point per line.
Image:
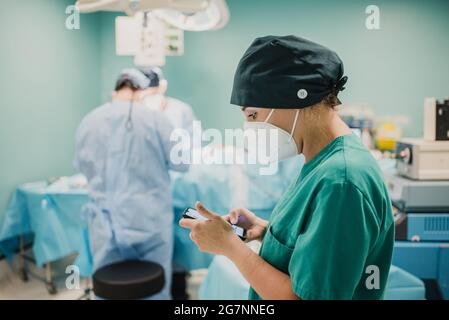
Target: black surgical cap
286	72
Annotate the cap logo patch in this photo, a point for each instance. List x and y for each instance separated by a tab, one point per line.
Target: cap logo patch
302	93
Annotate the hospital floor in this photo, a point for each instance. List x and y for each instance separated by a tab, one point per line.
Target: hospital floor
13	288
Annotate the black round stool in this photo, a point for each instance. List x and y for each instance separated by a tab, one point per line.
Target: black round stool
125	280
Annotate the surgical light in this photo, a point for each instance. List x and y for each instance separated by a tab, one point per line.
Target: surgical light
190	15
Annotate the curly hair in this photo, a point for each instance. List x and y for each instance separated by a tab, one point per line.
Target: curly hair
331	100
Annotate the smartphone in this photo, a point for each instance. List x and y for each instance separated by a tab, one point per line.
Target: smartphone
191	213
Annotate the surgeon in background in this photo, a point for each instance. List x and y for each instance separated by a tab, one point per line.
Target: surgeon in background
180	114
123	150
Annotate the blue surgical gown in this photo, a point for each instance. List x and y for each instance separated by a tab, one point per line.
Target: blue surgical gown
180	114
130	213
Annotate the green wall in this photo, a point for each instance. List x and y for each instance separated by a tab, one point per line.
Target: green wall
391	69
49	78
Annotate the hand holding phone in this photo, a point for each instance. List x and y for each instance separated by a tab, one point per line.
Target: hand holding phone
254	226
191	213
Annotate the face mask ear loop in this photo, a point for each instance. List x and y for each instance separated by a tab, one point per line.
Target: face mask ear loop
269	115
294	124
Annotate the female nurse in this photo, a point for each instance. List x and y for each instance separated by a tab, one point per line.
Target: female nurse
331	234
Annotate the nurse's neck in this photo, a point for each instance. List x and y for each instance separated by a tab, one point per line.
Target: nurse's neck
126	95
319	126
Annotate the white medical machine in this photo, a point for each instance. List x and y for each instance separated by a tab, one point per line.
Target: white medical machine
436	119
422	159
427	158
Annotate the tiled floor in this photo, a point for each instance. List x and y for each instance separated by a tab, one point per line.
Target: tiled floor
13	288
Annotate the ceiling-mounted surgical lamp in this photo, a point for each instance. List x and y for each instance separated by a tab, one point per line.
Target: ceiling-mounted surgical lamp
188	6
191	15
214	16
154	28
89	6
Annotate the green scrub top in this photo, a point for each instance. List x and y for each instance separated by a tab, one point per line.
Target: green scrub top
333	229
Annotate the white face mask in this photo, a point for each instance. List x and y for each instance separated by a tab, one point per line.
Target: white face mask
286	145
153	101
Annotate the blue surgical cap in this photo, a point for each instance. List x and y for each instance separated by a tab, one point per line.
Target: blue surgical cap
136	77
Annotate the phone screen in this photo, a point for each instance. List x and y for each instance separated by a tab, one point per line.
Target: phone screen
193	214
238	230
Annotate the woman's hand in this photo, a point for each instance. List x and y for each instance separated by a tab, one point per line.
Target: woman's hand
255	227
214	235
